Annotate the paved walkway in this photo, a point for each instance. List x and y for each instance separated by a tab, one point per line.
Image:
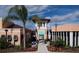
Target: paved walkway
42	48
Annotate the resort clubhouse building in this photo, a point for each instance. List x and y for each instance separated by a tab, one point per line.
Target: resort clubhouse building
67	32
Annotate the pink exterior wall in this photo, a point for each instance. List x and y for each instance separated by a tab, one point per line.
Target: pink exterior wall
12	32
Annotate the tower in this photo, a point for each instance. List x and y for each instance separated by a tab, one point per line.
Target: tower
41	28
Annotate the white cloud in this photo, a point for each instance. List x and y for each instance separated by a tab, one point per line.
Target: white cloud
48	17
31	8
36	8
65	17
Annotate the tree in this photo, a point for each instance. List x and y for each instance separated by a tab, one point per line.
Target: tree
19	12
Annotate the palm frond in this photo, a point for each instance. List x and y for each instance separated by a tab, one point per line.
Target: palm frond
19	11
9	18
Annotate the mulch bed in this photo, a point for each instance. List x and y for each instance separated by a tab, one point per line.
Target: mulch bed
31	49
56	49
12	50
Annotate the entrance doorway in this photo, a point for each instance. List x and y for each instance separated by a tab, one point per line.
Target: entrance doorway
41	37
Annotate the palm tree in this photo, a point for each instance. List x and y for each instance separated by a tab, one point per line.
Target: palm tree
19	12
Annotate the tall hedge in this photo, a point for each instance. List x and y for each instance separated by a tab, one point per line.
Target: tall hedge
3	43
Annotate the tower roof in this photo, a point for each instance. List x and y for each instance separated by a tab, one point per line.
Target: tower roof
41	20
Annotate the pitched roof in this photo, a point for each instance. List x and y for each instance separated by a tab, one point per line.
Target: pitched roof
66	27
12	25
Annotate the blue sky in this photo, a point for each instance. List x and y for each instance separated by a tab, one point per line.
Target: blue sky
60	14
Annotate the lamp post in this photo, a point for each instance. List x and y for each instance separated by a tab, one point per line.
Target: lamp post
6	34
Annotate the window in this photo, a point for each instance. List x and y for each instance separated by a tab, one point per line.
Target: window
15	38
9	38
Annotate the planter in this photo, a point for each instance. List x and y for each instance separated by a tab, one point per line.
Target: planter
51	48
54	49
60	49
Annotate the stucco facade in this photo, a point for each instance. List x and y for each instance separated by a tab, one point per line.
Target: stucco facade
67	32
13	32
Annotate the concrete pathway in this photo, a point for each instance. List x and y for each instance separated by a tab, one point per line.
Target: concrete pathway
42	48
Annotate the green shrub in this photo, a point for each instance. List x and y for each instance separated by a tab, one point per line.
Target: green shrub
67	46
52	43
18	47
59	43
3	43
28	45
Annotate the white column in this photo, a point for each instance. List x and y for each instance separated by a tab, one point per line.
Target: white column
63	36
52	37
58	34
12	39
71	39
49	35
37	36
45	25
75	39
66	39
55	35
78	38
42	24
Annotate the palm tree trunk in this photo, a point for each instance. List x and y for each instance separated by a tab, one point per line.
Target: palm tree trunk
24	38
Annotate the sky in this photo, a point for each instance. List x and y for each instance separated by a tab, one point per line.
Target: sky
58	14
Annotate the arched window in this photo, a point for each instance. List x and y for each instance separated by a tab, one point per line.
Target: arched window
15	38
